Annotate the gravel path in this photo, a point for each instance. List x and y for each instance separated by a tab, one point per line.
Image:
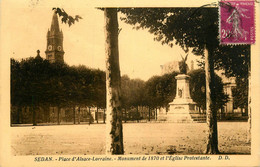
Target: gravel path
139	138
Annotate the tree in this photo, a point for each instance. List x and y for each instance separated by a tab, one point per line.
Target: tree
238	65
58	82
30	84
249	107
126	92
160	90
152	91
132	93
240	93
167	88
198	93
113	84
100	90
16	92
190	28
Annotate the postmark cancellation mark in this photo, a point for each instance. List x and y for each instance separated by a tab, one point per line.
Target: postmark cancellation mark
237	22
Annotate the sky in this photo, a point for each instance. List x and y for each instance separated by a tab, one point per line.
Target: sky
84	42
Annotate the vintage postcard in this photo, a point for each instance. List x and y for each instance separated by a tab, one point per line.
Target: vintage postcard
129	83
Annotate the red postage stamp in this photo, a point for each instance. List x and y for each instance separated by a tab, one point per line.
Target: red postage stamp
237	22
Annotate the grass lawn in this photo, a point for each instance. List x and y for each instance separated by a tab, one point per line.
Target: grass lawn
139	138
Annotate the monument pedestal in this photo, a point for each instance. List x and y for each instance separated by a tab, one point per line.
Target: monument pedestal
181	111
182	106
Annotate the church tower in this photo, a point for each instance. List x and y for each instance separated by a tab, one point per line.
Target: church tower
54	51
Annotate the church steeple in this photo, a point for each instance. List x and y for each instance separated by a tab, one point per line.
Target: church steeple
54	51
55	23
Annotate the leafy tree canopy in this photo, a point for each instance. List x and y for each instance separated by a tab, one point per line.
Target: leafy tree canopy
66	18
190	28
198	89
37	81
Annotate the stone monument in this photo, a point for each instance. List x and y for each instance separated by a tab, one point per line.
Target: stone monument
182	106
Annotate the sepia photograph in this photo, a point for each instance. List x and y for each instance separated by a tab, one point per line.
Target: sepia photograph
113	83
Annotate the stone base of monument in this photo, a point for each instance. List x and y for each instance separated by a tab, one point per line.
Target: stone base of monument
180	111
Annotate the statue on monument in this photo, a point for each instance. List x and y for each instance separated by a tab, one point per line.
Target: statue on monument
182	108
180	93
182	65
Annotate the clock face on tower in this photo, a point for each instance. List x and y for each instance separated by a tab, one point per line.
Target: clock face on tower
49	47
59	48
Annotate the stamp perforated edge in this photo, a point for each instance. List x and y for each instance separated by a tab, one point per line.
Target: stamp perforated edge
219	24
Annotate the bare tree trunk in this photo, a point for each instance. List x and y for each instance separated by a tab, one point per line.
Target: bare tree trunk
34	116
89	115
58	116
79	115
66	114
212	133
249	104
137	114
33	112
97	115
74	114
142	111
114	144
22	115
49	114
149	116
104	116
46	111
156	113
53	114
